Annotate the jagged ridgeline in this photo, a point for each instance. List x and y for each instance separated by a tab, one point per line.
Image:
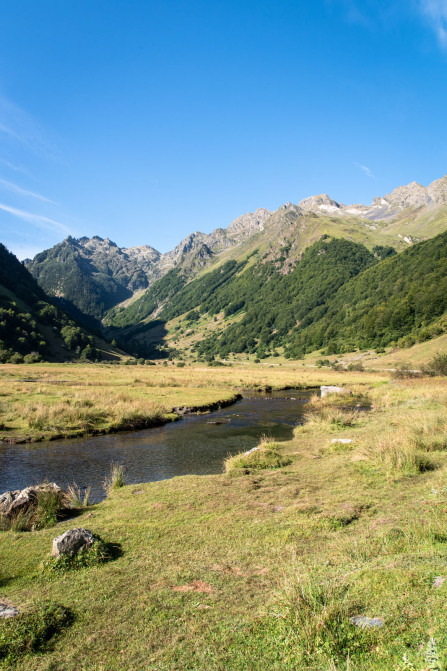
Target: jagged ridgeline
268	283
89	276
31	327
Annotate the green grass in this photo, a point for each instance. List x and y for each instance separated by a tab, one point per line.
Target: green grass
265	456
262	571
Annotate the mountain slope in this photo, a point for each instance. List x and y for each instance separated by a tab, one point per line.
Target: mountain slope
89	276
31	327
128	288
402	299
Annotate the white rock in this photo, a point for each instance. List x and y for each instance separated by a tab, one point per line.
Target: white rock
342	440
328	389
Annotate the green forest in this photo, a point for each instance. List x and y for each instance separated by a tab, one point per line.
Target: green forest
31	327
339	297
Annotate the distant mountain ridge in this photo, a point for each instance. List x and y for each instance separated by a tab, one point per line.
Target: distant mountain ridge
95	280
387	207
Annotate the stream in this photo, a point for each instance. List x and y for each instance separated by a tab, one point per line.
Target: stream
196	444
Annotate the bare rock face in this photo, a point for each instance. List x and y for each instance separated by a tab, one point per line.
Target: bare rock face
248	223
18	500
72	541
321	204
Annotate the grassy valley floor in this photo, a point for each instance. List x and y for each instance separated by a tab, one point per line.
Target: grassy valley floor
264	569
47	401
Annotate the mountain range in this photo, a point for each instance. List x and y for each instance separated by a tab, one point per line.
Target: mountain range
141	297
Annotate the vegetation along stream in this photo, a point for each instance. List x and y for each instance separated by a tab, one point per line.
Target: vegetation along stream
197	444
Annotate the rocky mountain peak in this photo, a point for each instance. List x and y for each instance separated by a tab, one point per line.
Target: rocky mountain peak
320	204
248	223
412	195
437	190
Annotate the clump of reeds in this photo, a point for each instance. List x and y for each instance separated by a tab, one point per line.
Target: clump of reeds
78	498
115	478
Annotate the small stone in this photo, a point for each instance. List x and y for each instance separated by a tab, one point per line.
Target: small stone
7	611
366	622
72	541
439	581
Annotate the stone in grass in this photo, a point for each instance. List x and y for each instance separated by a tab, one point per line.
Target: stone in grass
439	581
366	622
345	441
73	541
8	610
329	389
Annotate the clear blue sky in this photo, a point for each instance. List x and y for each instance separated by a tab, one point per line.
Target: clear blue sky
146	120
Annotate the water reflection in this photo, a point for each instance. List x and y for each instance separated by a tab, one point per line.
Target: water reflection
194	445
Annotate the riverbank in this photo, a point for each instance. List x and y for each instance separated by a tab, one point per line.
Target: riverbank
265	569
51	401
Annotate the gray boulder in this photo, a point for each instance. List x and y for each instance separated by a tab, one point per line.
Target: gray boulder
18	500
329	389
72	541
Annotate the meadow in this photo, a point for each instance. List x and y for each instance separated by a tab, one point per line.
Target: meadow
45	401
258	567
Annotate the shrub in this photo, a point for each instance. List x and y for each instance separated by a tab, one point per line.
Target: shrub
33	357
356	366
403	371
437	365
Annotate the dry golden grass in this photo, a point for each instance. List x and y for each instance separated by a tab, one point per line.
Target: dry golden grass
46	400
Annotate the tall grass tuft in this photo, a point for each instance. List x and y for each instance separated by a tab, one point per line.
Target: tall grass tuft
265	456
115	478
315	615
329	418
76	497
398	451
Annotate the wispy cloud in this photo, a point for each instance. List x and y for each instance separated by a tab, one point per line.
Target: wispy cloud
36	219
24	192
20	127
436	13
13	166
365	169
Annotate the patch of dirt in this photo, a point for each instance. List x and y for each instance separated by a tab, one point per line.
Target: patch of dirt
194	586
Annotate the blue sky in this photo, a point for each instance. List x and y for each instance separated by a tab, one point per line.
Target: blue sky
144	121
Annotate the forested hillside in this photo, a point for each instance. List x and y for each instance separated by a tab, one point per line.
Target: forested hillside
340	296
31	327
401	300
